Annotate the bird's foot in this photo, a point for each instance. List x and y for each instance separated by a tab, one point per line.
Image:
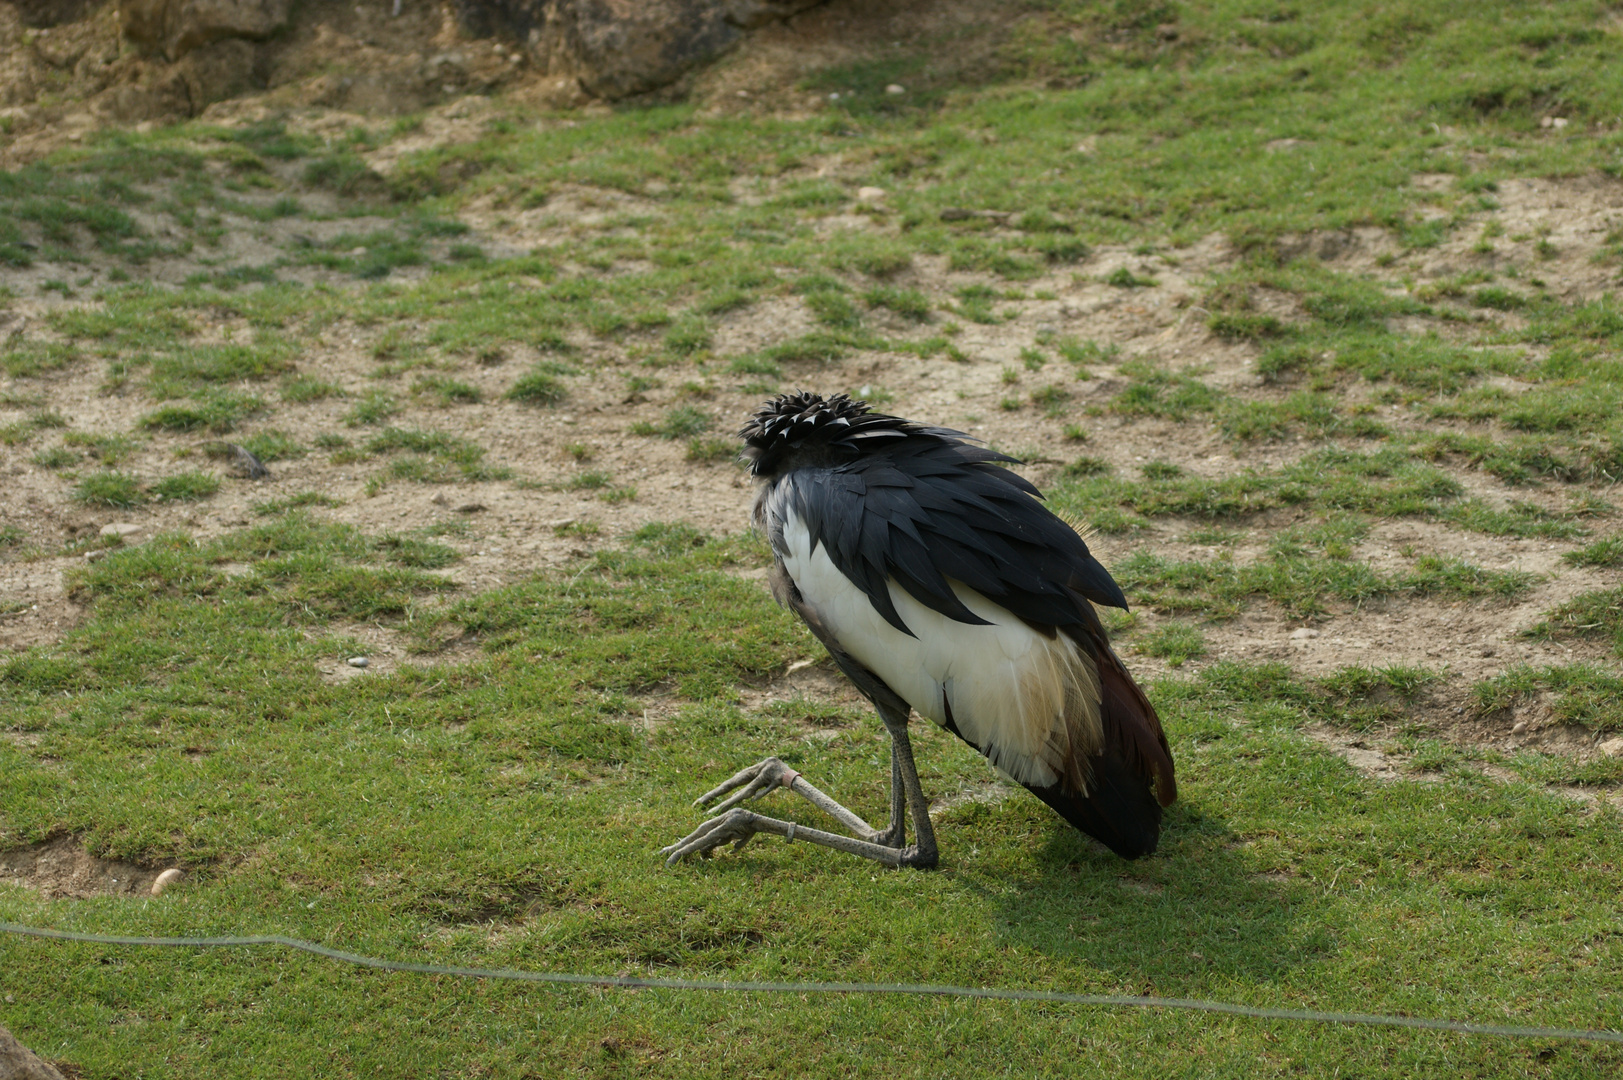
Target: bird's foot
757	780
735	827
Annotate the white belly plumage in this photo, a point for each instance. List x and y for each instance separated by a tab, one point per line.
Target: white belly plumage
1028	701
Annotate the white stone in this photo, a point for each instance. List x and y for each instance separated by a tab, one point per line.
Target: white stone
1302	633
166	879
870	194
120	529
895	88
357	661
1612	748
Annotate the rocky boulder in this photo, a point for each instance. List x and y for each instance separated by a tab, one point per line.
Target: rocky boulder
617	48
173	28
17	1062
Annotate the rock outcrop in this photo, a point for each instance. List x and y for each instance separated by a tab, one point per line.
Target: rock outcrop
618	48
173	28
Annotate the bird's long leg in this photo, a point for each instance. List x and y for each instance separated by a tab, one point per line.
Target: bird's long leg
737	825
923	852
895	834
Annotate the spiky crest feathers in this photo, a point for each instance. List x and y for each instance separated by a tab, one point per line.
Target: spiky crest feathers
804	429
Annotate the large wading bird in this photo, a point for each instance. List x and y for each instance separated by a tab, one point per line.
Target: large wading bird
940	583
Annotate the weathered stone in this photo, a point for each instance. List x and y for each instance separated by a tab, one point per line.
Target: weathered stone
17	1062
44	13
177	27
216	72
617	48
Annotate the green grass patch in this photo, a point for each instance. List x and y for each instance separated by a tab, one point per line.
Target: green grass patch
1301	582
682	422
296	502
218	411
108	488
433	457
444	391
1176	643
537	388
1584	694
1594	614
185	487
376	407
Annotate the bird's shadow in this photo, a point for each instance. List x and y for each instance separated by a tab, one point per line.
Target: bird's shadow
1197	912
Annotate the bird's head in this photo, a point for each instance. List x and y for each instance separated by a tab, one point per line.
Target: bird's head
803	429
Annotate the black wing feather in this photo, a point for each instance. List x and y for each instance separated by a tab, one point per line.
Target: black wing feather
928	507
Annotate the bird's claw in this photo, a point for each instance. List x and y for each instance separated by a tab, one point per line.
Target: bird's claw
757	780
735	826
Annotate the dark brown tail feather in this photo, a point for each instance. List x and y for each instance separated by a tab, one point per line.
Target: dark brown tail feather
1132	729
1119	809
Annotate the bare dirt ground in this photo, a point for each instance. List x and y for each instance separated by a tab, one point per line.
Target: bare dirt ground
61	868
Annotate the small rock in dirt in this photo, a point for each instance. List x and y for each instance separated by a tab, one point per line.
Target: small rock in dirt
1611	748
120	529
1302	633
470	508
166	879
870	194
357	661
895	88
1519	727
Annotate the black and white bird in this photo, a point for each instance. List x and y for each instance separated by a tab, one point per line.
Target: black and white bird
940	583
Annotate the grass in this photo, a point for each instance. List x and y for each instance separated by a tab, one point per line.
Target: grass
682	422
1594	614
1175	643
1583	694
186	487
1284	877
217	411
108	488
432	457
1302	584
538	387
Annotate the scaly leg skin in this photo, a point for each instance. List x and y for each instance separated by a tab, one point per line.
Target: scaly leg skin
737	825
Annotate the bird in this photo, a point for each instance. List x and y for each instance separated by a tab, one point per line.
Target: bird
941	584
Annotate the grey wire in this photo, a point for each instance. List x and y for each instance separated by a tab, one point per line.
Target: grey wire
634	983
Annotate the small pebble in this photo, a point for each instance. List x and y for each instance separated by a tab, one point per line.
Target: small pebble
870	194
1302	633
357	661
120	529
895	88
166	879
1519	727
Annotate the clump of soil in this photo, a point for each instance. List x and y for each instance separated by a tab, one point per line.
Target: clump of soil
63	869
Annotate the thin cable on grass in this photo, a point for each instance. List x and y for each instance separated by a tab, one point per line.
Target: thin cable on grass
633	983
